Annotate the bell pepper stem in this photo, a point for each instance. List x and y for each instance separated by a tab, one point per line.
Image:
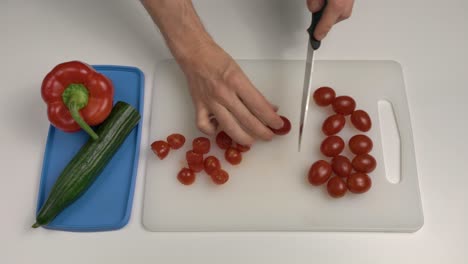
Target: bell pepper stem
74	111
75	97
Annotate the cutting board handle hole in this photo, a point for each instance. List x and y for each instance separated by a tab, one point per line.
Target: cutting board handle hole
391	142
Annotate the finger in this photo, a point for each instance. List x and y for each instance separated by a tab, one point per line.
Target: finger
257	103
229	124
330	16
314	5
248	121
347	12
275	107
204	122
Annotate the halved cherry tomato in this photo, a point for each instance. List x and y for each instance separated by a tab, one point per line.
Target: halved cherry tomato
332	146
283	130
194	160
186	176
336	187
241	148
324	96
176	141
220	176
360	144
359	183
319	172
201	145
344	105
223	140
361	120
333	124
160	148
364	163
211	164
341	166
233	156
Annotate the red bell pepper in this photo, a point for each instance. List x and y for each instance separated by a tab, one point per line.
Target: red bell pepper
77	96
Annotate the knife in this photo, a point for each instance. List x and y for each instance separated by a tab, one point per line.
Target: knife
312	45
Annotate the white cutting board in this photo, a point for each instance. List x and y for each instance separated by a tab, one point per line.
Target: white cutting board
268	191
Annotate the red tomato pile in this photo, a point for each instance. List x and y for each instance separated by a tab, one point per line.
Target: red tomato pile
340	173
196	162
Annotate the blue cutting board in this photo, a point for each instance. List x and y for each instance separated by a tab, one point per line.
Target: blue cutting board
107	204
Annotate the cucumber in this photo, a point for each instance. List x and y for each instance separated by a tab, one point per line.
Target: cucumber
88	163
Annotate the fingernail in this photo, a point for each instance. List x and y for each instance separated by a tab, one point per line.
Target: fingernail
278	124
314	6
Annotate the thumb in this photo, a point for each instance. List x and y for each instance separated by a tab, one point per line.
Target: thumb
204	120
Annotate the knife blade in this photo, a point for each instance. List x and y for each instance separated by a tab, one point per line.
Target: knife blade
312	45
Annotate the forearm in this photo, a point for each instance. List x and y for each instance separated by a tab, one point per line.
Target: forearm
180	26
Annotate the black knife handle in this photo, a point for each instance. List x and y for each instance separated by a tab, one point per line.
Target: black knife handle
315	20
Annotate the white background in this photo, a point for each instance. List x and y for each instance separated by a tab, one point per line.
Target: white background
429	38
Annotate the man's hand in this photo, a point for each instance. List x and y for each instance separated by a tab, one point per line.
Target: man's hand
335	11
219	88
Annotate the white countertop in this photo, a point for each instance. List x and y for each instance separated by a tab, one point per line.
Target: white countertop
428	39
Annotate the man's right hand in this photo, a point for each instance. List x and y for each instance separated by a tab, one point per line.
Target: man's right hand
335	11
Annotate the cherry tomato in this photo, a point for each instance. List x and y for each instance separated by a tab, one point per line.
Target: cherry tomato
360	144
241	148
220	176
160	148
319	172
194	160
364	163
201	145
336	187
359	183
332	146
324	96
341	166
361	120
233	156
344	105
186	176
283	130
211	164
176	141
333	124
223	140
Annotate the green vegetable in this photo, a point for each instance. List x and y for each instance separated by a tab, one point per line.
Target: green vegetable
89	162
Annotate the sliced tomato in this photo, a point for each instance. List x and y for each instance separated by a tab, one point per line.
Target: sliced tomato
223	140
194	160
160	148
233	156
211	164
176	141
186	176
201	145
220	176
